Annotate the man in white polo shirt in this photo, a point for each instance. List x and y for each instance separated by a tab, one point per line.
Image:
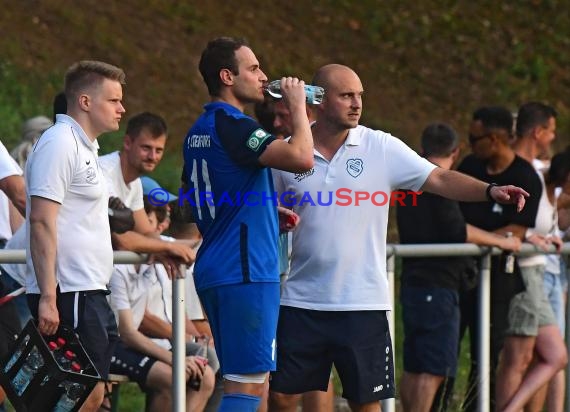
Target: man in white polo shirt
71	259
334	303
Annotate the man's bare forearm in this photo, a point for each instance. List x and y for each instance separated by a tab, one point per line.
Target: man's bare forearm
43	241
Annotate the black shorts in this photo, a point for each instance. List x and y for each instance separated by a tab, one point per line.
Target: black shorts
92	319
134	364
357	342
431	330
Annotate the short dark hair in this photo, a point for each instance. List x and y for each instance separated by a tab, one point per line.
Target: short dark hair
219	54
531	115
146	121
86	73
160	211
559	168
495	117
439	139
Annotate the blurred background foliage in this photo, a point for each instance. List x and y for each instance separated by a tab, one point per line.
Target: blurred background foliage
419	61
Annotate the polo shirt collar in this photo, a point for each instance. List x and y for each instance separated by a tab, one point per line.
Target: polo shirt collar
354	138
68	120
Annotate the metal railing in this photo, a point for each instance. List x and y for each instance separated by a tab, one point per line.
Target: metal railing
484	307
392	251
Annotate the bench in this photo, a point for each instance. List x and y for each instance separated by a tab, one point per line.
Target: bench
112	391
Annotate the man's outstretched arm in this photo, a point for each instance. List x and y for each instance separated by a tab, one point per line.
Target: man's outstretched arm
461	187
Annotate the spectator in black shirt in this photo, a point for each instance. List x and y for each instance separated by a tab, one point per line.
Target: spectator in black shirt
429	286
493	160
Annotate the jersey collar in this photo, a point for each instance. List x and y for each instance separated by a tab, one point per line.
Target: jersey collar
63	118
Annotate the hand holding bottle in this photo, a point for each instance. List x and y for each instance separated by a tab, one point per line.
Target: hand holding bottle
195	368
201	359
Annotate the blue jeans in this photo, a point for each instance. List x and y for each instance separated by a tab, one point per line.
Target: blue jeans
554	293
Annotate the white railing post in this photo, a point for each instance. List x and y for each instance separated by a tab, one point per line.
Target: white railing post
484	333
389	405
178	342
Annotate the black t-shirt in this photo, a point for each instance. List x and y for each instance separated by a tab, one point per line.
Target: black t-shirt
490	215
434	219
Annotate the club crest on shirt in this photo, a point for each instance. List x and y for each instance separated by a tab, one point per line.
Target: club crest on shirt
256	139
354	167
91	175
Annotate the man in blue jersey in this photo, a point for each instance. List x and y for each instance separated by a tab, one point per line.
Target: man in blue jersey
229	187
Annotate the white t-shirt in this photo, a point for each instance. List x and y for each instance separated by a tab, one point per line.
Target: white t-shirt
131	194
63	167
8	167
338	260
159	300
129	290
160	295
546	224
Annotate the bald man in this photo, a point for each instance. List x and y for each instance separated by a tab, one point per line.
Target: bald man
334	303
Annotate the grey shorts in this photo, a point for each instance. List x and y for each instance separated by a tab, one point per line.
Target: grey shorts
530	309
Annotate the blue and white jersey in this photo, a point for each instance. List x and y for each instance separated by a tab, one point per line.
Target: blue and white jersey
232	198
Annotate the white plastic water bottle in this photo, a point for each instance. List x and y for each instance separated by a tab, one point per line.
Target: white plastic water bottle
34	361
65	359
17	353
314	94
70	397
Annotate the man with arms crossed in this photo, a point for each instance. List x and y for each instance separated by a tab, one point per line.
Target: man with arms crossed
71	258
227	153
334	303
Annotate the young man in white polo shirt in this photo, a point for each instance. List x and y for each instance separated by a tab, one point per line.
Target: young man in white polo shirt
71	258
334	303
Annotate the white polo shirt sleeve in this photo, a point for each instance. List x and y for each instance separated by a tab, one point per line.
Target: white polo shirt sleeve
8	166
51	174
407	169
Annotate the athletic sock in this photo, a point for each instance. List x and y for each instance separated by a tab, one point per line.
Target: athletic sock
239	402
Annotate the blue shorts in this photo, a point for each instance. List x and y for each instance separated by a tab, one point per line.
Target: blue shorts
357	342
243	319
431	330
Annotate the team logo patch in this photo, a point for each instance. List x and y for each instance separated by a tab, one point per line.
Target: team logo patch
91	175
354	167
256	139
